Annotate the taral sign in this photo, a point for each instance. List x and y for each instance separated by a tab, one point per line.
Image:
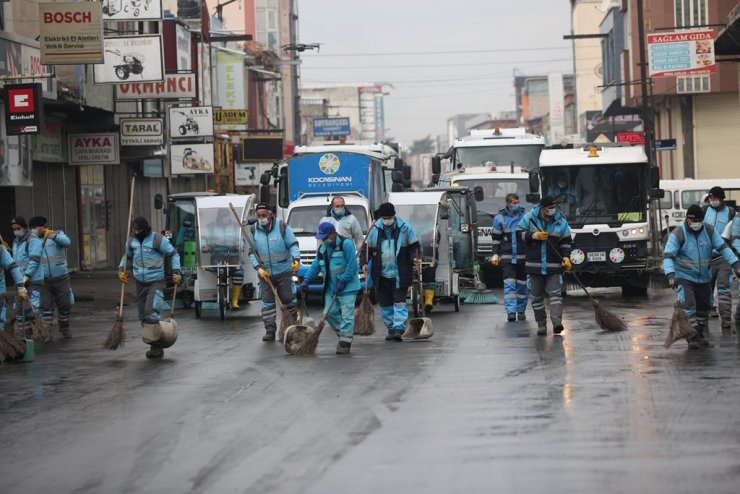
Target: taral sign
681	53
93	149
23	111
191	121
70	33
174	86
142	131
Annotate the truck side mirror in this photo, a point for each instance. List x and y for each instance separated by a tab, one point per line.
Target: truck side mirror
283	199
398	164
532	198
534	182
435	178
265	178
406	172
657	193
654	177
265	194
397	177
478	193
406	184
436	165
444	214
158	201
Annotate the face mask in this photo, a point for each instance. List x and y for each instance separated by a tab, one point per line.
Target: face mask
715	204
550	212
338	211
696	226
388	222
39	232
264	221
19	233
327	241
515	209
562	185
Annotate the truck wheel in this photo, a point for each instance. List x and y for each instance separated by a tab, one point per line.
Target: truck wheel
198	308
457	303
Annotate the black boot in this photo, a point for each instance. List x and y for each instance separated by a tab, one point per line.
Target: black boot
155	351
269	336
343	347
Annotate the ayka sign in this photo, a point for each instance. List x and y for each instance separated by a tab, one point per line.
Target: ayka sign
191	121
141	131
23	109
93	149
174	86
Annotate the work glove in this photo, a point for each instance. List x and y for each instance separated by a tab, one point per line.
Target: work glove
49	233
364	269
123	276
672	280
177	279
495	260
417	263
264	274
25	280
304	285
340	285
540	235
296	266
22	293
567	265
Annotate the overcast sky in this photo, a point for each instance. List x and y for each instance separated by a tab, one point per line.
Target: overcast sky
371	41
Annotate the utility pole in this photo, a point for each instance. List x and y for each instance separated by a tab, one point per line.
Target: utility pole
647	111
295	72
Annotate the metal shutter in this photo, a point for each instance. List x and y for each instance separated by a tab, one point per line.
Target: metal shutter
717	135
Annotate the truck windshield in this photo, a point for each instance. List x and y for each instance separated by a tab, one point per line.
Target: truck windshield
305	220
527	156
494	194
611	194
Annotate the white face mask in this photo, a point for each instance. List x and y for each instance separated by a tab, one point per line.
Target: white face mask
551	212
338	211
389	221
19	233
696	226
715	204
264	221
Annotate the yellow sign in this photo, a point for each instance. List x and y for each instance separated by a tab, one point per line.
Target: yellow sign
230	117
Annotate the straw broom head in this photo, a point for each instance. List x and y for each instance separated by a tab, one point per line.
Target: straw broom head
116	336
11	348
680	326
606	320
365	317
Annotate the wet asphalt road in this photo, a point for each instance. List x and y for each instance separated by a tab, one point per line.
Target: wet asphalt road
484	406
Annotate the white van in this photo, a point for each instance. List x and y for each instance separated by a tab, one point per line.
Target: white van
680	194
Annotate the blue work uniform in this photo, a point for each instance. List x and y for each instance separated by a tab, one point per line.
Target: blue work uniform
56	290
7	264
511	254
719	218
27	254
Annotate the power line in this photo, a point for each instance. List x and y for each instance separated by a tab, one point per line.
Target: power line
447	52
472	64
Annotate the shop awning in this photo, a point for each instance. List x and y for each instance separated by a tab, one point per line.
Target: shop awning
728	40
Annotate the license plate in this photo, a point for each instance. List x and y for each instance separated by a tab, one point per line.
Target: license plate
596	256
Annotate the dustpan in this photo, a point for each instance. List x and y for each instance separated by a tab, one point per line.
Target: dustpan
419	328
164	332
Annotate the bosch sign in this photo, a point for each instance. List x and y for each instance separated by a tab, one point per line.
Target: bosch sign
23	109
67	17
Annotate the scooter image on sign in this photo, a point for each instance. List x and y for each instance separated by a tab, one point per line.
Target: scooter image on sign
113	7
131	65
190	125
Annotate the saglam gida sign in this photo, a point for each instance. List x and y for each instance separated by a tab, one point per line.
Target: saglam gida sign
174	86
23	113
93	149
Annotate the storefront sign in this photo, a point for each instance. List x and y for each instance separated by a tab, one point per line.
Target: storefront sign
16	166
49	145
224	118
142	131
246	174
153	167
174	86
187	159
262	149
132	10
130	58
330	127
191	121
71	33
184	48
17	58
665	144
23	109
93	149
681	53
634	138
229	90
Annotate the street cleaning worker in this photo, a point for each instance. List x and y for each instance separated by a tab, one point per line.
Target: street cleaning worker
732	237
686	264
147	251
222	239
336	260
719	215
394	252
7	264
510	255
344	221
278	251
186	232
545	235
27	255
56	290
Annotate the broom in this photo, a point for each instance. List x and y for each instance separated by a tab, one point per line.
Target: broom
312	340
364	314
605	319
116	336
479	294
40	328
11	348
680	326
287	318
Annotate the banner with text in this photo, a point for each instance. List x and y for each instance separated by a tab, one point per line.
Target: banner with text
70	33
681	53
93	149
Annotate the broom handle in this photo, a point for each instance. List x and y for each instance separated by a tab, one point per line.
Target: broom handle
575	276
420	296
257	256
366	247
125	254
326	313
174	298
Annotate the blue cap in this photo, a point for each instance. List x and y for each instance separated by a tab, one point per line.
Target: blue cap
325	229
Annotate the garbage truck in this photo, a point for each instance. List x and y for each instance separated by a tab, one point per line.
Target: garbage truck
610	195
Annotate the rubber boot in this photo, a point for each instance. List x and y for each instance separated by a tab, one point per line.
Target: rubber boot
235	291
429	299
155	351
